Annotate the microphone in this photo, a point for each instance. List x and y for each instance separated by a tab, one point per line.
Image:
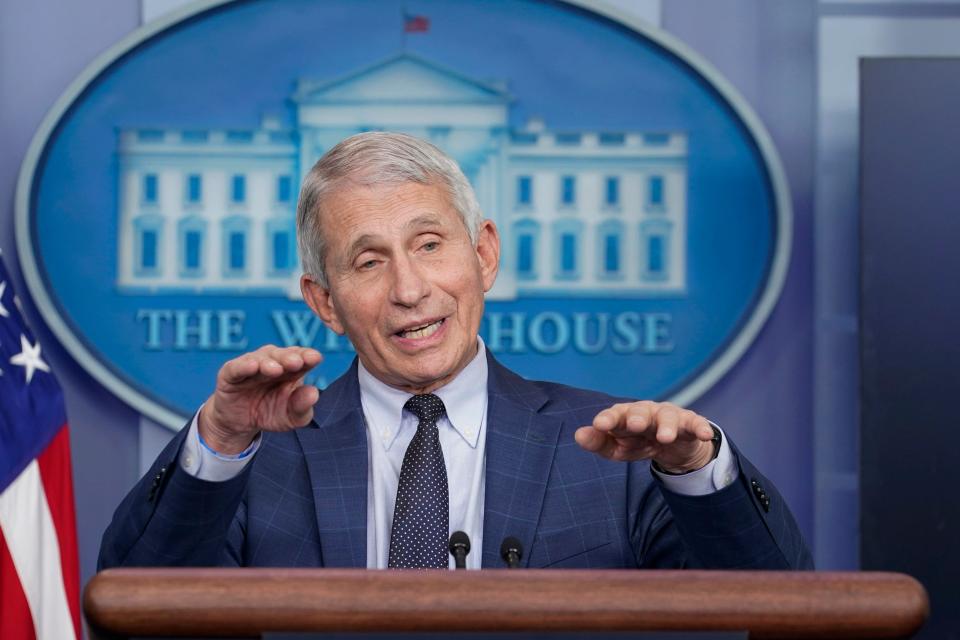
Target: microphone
511	551
459	547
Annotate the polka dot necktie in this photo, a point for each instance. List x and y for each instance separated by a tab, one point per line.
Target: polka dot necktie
421	517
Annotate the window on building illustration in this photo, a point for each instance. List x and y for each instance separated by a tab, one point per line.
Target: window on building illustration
150	135
526	233
191	231
234	250
238	250
284	188
609	249
281	250
147	234
612	191
194	188
656	263
655	249
150	188
655	191
239	136
568	253
194	136
281	257
611	253
238	188
149	239
524	191
525	255
565	248
611	139
568	190
192	245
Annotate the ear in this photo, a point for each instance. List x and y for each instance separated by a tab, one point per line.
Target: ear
319	299
488	253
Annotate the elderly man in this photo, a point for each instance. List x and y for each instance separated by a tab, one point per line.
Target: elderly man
427	433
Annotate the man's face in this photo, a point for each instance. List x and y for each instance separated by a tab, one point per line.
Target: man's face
405	283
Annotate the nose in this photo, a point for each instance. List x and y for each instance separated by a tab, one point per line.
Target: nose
410	286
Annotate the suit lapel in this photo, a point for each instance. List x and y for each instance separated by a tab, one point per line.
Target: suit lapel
335	449
521	443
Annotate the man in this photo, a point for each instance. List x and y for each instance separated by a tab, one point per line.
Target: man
427	433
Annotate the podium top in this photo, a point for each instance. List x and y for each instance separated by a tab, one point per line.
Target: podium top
250	602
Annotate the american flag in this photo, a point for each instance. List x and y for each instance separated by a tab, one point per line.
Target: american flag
39	577
415	24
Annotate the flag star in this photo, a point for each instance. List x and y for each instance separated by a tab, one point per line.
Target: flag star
29	357
3	311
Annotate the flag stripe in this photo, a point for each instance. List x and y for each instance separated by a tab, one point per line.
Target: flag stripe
15	620
32	541
55	472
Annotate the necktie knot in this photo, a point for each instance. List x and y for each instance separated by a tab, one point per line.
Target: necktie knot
426	406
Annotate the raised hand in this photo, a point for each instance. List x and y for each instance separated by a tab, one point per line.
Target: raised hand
677	439
259	391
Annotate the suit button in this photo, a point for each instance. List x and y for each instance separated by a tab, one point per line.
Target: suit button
156	483
760	494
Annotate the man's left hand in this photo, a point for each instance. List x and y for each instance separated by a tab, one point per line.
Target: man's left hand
677	439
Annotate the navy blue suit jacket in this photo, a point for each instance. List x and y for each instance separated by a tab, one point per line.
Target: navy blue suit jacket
303	499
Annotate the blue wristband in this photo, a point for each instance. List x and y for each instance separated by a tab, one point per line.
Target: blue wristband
240	456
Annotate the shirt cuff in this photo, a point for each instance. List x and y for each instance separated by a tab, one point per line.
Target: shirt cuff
717	474
203	463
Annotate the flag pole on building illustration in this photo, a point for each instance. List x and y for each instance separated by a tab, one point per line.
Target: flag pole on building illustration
39	575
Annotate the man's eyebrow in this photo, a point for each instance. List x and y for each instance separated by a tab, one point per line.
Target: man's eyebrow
360	244
424	220
363	241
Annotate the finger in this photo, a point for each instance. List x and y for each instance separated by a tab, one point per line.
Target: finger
668	419
698	427
240	369
300	404
639	418
285	363
311	357
595	441
610	418
294	359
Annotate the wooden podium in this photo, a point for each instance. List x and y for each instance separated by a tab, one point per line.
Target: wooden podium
251	602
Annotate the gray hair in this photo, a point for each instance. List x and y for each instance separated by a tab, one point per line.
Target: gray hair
370	159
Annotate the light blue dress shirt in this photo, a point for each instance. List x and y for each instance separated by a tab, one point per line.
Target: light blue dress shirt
462	437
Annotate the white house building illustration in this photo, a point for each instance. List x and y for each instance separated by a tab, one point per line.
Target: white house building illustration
590	213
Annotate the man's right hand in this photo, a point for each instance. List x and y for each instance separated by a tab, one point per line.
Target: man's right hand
259	391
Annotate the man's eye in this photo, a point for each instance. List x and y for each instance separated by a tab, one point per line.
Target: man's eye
431	246
367	265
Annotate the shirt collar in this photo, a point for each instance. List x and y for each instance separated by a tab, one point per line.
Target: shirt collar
464	397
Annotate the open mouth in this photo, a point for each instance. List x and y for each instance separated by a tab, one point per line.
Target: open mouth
423	331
